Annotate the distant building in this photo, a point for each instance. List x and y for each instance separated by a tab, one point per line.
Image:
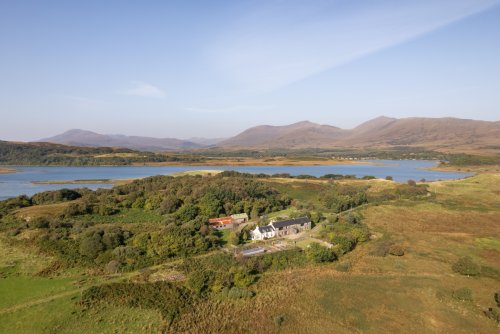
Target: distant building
281	228
239	218
227	222
221	223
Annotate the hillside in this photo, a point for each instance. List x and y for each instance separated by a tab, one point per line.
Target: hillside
78	137
431	133
49	154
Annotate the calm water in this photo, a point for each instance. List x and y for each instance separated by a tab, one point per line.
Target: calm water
21	182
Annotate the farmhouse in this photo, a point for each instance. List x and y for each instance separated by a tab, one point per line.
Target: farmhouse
281	228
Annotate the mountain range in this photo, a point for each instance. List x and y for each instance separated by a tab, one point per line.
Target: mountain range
382	132
77	137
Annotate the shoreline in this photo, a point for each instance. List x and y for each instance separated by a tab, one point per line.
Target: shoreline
278	161
477	169
103	181
125	181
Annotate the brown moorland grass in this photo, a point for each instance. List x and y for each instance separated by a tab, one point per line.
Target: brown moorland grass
46	210
408	294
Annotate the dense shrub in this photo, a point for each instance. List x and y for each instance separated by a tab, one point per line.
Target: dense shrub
463	294
465	266
278	261
343	197
95	242
279	320
55	196
170	300
493	314
396	250
381	248
319	253
13	204
343	244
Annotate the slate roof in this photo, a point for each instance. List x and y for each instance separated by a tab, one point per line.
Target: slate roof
296	221
267	228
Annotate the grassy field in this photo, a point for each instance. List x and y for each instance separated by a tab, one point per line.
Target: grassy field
34	304
414	293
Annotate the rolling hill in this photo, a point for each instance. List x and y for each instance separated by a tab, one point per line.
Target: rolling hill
78	137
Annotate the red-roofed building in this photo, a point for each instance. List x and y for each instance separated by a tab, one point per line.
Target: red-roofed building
221	223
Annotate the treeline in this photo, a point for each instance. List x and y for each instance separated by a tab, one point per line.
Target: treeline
395	153
470	160
47	154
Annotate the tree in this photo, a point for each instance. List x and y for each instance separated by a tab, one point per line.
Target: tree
234	238
170	204
318	253
343	244
316	217
187	212
204	230
91	245
412	183
389	178
353	218
198	281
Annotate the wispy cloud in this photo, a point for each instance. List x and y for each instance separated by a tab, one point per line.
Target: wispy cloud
281	43
144	89
228	109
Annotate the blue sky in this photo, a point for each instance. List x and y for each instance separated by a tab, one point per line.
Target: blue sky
214	68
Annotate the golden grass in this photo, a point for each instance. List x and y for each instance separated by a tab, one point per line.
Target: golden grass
408	294
480	191
47	210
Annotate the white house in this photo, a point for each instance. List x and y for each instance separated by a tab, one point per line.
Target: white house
281	228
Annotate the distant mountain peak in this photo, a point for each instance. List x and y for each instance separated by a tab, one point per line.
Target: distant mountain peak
381	131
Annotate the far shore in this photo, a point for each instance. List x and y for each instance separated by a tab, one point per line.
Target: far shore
7	170
100	181
277	161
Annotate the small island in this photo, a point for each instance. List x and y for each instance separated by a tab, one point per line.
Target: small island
4	170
